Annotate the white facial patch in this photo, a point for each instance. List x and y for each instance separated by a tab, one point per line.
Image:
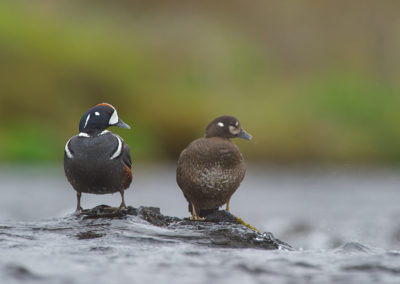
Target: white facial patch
114	118
97	113
234	130
87	119
237	123
220	124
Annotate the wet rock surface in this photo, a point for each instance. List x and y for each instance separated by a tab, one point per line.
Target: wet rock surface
219	229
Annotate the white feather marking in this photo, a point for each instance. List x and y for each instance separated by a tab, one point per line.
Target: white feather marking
114	118
104	132
67	151
97	113
220	124
119	148
234	130
83	134
87	119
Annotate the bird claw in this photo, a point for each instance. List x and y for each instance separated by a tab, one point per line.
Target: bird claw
119	209
197	218
78	211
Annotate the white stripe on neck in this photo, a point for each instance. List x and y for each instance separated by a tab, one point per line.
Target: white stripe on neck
84	134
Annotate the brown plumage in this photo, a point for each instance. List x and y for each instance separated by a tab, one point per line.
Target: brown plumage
210	169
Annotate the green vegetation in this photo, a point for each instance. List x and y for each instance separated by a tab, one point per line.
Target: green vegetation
311	82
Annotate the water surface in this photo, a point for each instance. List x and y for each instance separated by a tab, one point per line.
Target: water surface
343	222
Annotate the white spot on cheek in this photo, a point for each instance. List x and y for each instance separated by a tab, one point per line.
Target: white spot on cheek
234	130
97	113
220	124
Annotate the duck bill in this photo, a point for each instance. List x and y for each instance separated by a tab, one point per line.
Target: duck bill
122	124
243	134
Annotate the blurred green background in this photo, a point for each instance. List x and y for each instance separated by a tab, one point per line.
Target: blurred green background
314	81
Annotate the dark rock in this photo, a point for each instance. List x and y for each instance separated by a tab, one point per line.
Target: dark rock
220	229
221	216
103	211
154	216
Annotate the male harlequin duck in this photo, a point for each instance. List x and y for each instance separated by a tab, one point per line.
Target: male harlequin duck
211	168
97	160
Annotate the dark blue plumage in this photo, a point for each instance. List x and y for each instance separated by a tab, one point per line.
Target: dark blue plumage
96	160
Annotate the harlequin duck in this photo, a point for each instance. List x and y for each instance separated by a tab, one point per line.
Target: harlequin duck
97	160
211	168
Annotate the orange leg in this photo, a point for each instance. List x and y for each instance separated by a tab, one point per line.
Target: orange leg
194	216
227	205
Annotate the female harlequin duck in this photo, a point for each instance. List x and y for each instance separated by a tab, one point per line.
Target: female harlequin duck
210	169
97	160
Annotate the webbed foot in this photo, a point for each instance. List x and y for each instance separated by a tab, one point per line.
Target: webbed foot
197	218
194	216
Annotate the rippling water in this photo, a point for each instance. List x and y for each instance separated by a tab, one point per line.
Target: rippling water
343	223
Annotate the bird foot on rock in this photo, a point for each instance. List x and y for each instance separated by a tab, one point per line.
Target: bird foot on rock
115	210
197	218
78	211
